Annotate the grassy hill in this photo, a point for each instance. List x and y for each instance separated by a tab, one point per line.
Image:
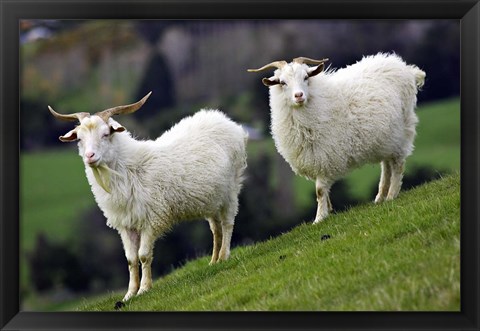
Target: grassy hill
400	255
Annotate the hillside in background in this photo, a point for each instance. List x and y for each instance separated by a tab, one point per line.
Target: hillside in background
402	255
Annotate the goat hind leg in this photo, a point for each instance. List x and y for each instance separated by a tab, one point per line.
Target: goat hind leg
145	253
227	229
397	167
217	232
329	203
227	218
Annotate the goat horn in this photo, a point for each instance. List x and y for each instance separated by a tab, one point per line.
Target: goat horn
306	60
119	110
68	117
275	64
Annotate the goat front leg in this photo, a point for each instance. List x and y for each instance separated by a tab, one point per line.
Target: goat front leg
145	253
131	243
322	190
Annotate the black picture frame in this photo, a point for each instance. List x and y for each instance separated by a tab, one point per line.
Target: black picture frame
11	11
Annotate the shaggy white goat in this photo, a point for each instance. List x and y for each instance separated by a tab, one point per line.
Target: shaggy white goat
192	171
327	123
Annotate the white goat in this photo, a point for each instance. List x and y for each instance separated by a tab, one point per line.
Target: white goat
327	123
192	171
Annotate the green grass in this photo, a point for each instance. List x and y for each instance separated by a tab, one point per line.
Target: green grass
399	255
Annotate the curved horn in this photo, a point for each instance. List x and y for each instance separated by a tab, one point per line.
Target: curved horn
306	60
275	64
119	110
68	117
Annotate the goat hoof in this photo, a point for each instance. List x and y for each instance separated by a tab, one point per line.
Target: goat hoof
129	295
379	199
320	219
119	305
143	290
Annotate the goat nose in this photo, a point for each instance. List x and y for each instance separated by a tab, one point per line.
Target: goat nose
90	154
298	94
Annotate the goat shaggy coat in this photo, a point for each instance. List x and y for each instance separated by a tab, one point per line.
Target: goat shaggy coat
360	114
192	171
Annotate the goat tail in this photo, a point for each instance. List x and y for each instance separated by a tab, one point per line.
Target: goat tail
419	76
240	174
245	136
242	161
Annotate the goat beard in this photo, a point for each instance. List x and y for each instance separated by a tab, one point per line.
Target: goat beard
102	176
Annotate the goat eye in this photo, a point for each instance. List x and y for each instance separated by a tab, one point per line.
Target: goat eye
305	78
283	83
105	135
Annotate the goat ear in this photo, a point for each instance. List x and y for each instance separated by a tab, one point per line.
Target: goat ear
69	136
316	70
116	127
270	81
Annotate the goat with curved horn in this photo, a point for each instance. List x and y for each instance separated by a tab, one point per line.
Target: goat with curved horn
140	185
310	110
126	109
275	64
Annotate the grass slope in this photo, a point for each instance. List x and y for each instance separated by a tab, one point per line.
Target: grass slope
400	255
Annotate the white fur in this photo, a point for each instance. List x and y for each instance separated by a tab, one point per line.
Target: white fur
192	171
360	114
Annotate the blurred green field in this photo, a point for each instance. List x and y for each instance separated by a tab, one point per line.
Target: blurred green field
55	193
54	190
